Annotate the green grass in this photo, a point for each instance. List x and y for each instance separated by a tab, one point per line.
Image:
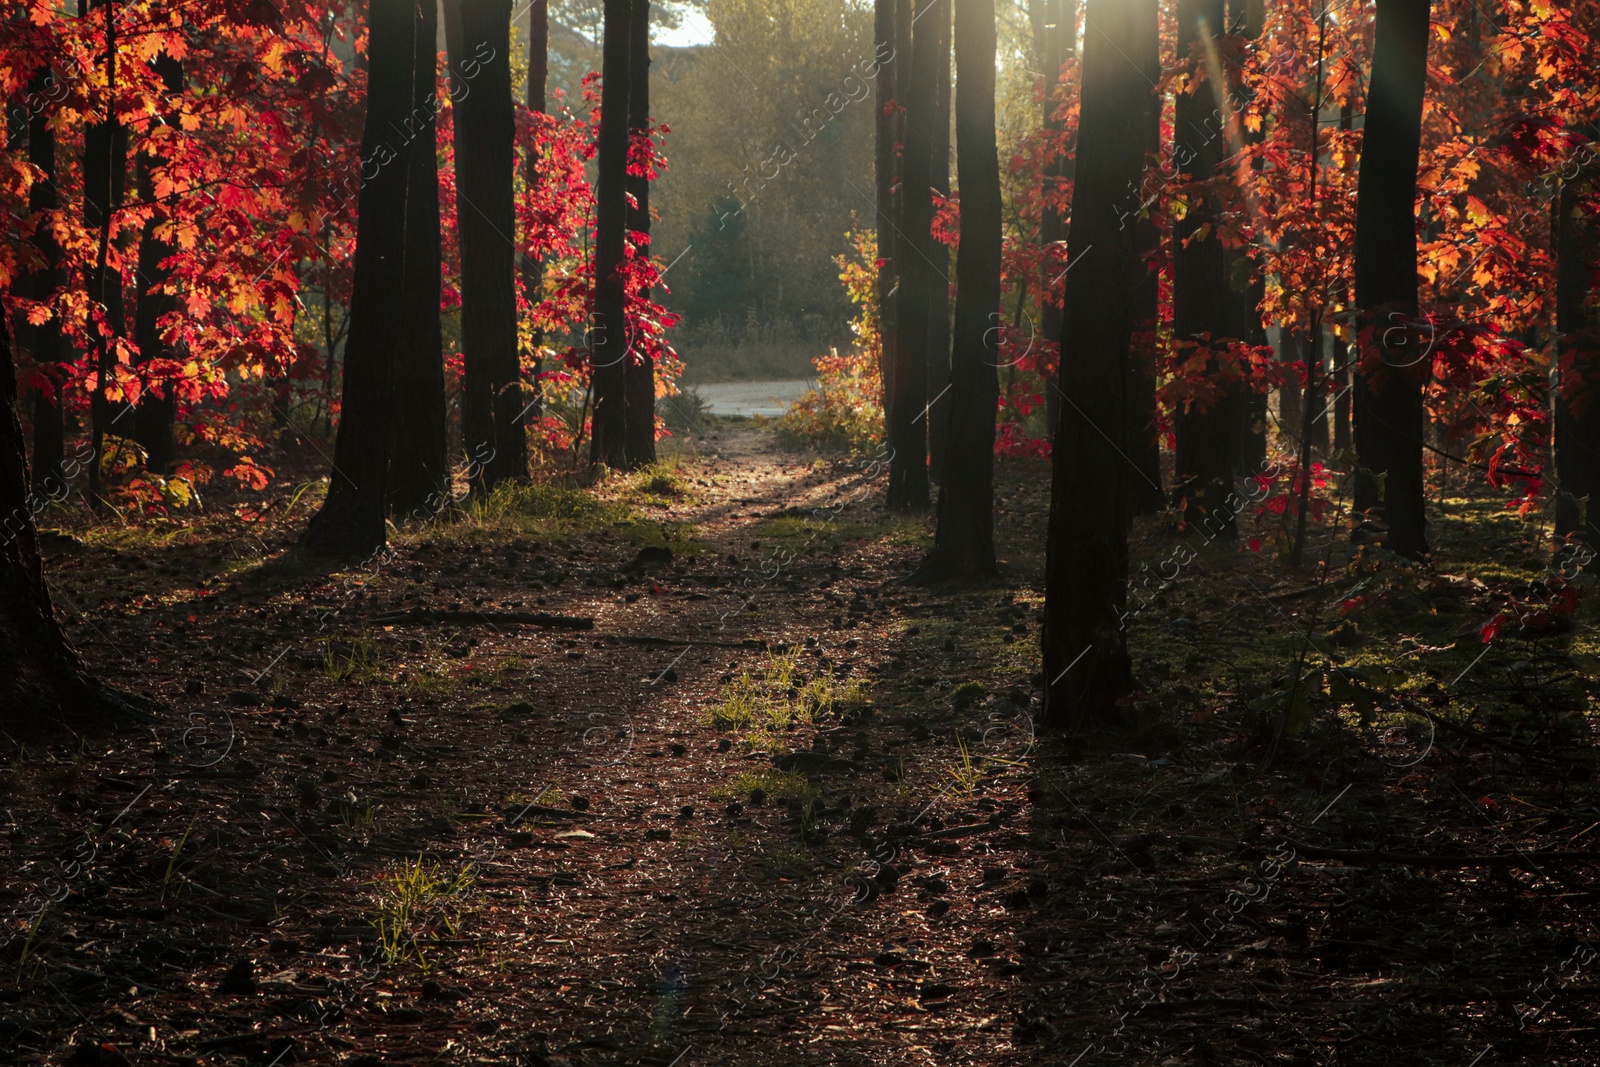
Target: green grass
417	905
357	659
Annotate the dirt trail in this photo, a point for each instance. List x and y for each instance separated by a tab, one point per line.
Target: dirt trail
775	807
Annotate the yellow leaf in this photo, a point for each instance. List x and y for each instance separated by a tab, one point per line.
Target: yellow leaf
38	315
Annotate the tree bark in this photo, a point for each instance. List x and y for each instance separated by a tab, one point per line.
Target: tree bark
105	172
640	371
886	16
419	463
1145	496
478	36
906	389
1200	292
49	426
964	542
1394	362
1056	31
1246	19
155	412
939	357
352	518
533	267
610	341
1577	415
1086	664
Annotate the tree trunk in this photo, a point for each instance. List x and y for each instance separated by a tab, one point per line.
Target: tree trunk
1052	30
1292	396
938	402
155	413
49	427
1577	416
419	461
1395	362
1246	19
352	518
640	373
1343	352
906	390
478	36
1086	664
1319	399
105	172
610	343
42	680
886	16
1200	292
1145	496
533	268
964	543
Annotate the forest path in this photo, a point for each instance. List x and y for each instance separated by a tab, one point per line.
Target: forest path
776	806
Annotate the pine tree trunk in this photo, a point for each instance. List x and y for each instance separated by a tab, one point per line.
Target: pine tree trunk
1086	664
478	36
640	372
886	14
964	543
154	416
609	331
1392	368
419	463
1577	415
351	521
533	268
105	172
1200	292
906	390
49	426
939	336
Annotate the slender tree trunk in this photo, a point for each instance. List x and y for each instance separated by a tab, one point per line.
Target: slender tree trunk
640	374
1342	352
1393	365
105	170
533	267
49	427
1200	292
1577	416
906	391
351	521
609	331
964	543
156	411
1086	664
939	280
1292	396
478	36
1319	398
887	15
419	459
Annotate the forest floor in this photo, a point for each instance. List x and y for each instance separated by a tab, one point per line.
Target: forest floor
778	806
